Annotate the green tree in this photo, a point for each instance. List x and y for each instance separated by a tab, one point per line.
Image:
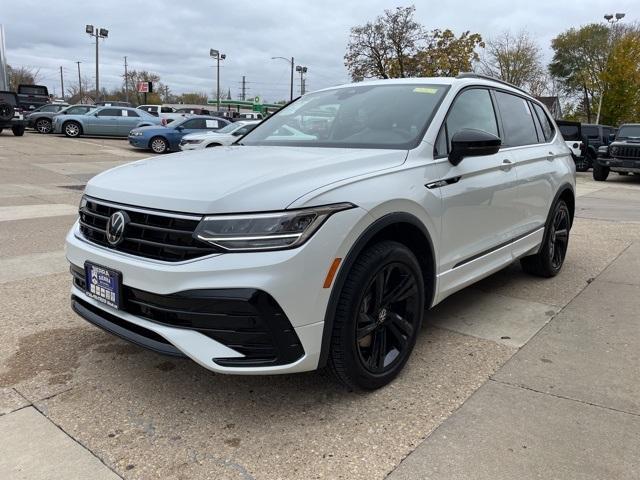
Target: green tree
394	45
136	76
444	54
621	78
579	60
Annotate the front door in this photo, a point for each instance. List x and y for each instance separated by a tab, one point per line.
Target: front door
479	197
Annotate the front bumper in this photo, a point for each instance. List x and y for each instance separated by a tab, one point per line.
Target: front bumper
190	146
292	278
620	164
138	142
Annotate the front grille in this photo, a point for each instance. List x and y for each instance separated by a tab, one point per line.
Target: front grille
150	235
628	151
246	320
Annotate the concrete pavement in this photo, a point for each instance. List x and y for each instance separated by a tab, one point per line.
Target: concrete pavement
141	415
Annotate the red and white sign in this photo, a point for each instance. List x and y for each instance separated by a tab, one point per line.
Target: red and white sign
143	87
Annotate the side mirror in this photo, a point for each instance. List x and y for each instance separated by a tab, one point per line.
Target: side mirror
612	137
237	134
179	128
472	143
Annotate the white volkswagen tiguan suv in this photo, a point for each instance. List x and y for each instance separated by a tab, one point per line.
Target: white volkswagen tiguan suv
326	234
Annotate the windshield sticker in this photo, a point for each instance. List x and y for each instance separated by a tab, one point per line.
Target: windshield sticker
425	90
212	123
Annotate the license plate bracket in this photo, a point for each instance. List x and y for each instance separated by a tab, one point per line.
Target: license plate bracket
103	284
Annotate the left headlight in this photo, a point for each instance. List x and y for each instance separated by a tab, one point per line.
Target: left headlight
265	231
135	134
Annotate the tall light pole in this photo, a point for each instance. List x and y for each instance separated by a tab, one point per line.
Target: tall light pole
79	81
98	33
302	70
612	19
62	82
218	56
291	63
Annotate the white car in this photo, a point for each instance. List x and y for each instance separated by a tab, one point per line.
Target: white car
286	254
168	114
225	136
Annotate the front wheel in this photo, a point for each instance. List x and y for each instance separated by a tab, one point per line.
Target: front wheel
18	131
72	129
550	258
43	125
600	173
378	317
158	145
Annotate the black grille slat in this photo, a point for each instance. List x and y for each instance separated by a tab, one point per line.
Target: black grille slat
158	237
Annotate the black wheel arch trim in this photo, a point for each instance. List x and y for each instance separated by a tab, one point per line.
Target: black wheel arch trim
348	261
563	188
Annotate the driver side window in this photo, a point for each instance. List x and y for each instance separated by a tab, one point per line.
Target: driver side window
472	109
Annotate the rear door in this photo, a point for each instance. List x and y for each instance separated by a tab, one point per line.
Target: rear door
128	122
106	121
479	196
528	141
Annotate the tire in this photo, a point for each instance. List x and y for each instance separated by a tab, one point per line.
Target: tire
6	111
373	335
550	258
43	125
18	131
158	145
600	173
72	129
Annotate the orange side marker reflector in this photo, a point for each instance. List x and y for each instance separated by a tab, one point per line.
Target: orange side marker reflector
332	272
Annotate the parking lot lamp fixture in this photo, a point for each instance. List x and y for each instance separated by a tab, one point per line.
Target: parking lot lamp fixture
98	33
218	56
612	19
291	64
302	70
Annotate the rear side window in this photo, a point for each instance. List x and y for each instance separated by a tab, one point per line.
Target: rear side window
547	126
129	113
110	112
590	132
519	127
166	110
472	109
570	132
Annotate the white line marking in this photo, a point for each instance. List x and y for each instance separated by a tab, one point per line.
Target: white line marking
22	212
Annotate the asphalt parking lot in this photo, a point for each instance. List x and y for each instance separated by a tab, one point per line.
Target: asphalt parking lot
513	377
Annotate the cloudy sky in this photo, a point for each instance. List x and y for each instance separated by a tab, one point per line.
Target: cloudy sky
173	38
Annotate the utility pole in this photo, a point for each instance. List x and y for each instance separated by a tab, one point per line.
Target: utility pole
126	79
79	82
62	82
244	88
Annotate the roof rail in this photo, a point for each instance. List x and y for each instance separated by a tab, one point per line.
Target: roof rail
487	77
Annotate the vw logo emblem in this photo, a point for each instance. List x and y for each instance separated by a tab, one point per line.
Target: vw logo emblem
115	227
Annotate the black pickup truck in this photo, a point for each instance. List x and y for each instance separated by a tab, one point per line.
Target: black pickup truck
622	155
31	97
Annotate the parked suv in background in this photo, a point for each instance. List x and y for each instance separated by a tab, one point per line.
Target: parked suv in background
168	114
596	136
622	155
573	137
31	97
11	115
288	253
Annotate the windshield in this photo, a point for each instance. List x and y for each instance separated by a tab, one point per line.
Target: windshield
367	116
629	131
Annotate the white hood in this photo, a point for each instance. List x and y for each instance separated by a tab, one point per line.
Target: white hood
237	178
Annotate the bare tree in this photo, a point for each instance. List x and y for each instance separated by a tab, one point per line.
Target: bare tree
22	76
513	58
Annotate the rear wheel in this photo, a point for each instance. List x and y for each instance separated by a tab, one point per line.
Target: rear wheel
43	125
18	131
158	145
600	173
378	317
550	258
72	129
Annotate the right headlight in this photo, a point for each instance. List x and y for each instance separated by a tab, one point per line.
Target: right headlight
265	231
614	150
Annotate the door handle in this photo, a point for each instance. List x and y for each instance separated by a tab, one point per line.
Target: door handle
506	165
551	157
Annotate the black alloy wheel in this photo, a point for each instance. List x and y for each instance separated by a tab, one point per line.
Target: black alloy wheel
553	251
386	318
378	316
